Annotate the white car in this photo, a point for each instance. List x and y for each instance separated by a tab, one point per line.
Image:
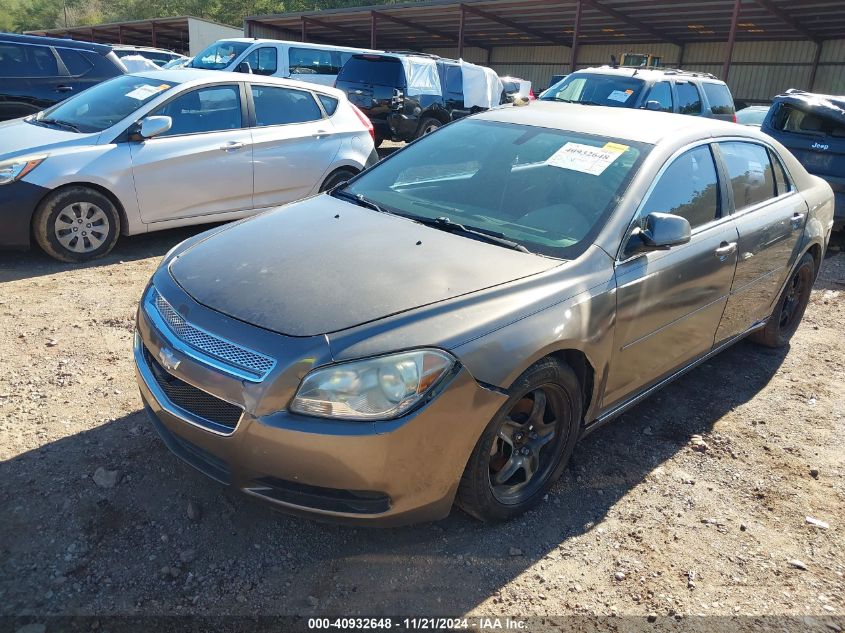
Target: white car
314	63
171	148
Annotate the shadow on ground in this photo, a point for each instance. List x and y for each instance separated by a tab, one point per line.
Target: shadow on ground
69	546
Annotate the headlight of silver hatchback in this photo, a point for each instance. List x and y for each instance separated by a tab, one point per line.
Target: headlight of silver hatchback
378	388
17	168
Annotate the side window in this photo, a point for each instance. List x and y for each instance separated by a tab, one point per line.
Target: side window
329	103
279	106
750	171
263	61
781	179
43	62
662	93
311	61
721	101
211	109
455	80
689	188
13	61
689	101
76	64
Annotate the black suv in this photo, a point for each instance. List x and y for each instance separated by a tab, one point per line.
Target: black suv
665	90
403	108
36	72
812	126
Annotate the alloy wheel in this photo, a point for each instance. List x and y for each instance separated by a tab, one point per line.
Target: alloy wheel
523	454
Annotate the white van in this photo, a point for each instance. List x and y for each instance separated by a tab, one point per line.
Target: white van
316	63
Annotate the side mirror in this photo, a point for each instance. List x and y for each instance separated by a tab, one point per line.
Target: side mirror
153	126
653	105
663	230
244	67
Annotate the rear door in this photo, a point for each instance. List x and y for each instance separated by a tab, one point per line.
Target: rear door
770	216
293	144
687	98
452	80
719	101
314	65
31	78
203	165
669	302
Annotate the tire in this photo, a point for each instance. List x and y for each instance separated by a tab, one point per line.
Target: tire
790	307
76	224
377	141
337	177
427	126
490	488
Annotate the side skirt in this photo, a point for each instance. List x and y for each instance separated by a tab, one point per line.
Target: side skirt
618	410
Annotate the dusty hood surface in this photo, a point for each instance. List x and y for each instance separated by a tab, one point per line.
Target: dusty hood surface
302	271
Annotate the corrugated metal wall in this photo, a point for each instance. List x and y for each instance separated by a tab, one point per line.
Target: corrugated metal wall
759	70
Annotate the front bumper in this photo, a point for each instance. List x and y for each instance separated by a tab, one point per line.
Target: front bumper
18	201
384	473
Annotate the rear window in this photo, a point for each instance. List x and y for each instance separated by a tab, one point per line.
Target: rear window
313	61
372	69
606	90
789	119
329	103
27	61
689	100
74	61
721	101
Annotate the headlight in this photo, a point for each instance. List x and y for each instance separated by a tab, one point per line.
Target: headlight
373	389
17	168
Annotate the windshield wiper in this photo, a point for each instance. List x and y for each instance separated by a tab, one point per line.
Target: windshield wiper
491	237
357	198
57	123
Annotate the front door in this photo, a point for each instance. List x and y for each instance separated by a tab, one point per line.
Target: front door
203	165
669	302
293	145
770	217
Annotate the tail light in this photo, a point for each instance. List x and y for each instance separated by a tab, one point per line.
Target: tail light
735	121
364	120
531	94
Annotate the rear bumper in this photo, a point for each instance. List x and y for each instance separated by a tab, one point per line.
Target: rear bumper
18	201
384	473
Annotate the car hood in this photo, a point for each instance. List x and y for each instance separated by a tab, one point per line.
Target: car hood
323	265
17	137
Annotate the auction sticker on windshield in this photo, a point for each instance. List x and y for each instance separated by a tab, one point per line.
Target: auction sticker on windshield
620	95
142	93
586	158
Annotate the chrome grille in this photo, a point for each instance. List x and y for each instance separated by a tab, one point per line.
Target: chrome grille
235	355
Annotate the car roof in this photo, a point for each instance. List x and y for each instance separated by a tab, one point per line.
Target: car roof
133	47
102	49
199	76
648	74
631	124
297	43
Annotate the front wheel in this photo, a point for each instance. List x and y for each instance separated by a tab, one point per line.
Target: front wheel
337	177
790	307
526	446
76	224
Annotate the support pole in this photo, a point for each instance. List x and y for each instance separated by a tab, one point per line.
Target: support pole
120	34
155	35
576	31
816	56
726	68
461	24
681	50
304	30
373	22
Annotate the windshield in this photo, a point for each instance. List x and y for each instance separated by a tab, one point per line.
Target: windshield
547	190
607	90
372	69
103	105
219	55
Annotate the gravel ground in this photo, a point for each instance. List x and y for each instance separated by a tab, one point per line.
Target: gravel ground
695	502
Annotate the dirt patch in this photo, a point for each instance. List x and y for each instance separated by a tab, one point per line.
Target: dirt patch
648	518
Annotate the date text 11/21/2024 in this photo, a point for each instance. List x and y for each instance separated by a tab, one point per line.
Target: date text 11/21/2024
418	624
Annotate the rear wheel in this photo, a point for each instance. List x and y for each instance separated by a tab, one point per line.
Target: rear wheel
428	125
76	224
526	446
337	177
790	307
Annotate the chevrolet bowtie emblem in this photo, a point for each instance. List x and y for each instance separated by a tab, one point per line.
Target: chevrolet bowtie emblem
168	359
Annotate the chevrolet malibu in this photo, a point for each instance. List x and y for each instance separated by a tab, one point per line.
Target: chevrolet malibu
161	149
444	327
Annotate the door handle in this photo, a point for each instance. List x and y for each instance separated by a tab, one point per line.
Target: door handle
64	88
796	220
232	146
725	249
320	134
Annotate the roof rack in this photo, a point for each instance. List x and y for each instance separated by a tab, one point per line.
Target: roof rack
416	53
664	70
